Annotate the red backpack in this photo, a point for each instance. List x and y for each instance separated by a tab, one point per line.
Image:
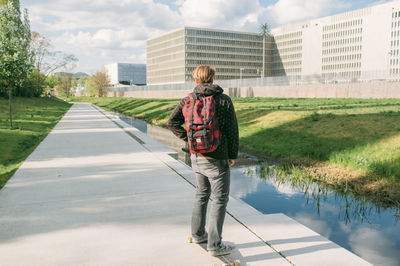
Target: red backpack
201	124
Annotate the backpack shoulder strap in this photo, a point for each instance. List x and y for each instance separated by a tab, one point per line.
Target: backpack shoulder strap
193	97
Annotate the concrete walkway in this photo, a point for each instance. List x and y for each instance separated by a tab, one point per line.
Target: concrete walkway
97	192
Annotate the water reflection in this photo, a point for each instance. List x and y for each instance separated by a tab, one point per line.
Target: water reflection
349	206
371	231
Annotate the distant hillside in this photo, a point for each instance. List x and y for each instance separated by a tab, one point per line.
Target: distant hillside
80	74
66	74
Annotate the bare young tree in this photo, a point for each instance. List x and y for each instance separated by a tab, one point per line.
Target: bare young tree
64	85
46	60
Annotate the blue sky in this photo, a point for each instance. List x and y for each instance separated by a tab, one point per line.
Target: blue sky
99	32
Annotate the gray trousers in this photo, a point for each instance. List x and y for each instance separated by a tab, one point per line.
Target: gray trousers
213	179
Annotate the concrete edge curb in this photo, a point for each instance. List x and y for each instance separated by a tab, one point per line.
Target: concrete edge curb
253	220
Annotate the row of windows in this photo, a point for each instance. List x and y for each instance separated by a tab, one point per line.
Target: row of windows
342	41
291	42
223	49
278	65
292	63
396	14
166	43
217	69
222	63
227	56
219	77
342	74
289	35
342	25
342	66
279	72
280	69
287	50
395	24
342	50
394	71
342	33
394	52
293	70
394	61
396	33
237	71
230	35
285	57
165	38
222	42
341	58
394	43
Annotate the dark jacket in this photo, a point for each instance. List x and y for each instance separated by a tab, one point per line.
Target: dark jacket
228	148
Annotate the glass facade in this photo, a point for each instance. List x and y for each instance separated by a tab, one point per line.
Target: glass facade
132	73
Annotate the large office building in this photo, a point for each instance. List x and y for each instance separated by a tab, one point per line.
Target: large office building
126	73
172	57
360	44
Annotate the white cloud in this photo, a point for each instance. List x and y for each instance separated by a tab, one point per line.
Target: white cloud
375	247
101	31
289	11
225	14
322	227
243	184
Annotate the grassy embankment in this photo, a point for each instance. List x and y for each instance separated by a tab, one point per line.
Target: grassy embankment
351	144
33	119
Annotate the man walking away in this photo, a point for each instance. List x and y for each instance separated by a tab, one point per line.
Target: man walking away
211	167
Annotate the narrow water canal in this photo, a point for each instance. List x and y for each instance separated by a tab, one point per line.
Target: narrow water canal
370	231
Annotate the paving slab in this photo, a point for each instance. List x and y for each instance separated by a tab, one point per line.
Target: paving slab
90	194
99	192
292	240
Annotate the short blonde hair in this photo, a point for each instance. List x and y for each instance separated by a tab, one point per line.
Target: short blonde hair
204	74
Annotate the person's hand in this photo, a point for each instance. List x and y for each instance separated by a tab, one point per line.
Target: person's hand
231	162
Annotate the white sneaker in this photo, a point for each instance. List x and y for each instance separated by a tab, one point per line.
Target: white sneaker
224	249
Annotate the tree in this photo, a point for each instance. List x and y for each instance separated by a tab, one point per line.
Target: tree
82	80
64	86
33	85
15	56
74	84
52	81
98	84
264	31
13	2
46	60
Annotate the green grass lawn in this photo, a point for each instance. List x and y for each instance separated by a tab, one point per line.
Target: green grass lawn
33	119
354	142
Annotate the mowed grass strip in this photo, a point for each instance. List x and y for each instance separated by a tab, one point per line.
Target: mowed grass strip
351	142
33	119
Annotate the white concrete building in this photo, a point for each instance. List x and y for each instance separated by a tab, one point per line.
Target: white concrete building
126	73
362	44
173	56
